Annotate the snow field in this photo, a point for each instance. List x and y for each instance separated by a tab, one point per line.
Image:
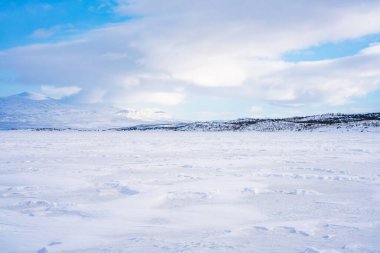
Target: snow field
189	192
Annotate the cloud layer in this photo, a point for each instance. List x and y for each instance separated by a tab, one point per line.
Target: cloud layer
173	50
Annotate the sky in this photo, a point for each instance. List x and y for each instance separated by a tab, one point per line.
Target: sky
196	60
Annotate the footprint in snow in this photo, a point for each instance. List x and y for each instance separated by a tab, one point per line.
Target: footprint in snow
127	191
302	192
54	243
43	250
114	187
310	250
255	191
292	230
259	228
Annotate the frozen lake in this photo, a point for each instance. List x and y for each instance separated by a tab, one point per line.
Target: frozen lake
189	192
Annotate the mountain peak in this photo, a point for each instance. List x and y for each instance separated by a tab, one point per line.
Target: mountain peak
31	95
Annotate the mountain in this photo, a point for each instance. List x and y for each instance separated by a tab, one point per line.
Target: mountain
325	122
32	111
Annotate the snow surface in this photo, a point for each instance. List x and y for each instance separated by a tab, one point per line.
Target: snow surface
147	192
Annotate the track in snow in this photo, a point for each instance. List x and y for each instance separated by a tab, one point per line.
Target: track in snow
189	192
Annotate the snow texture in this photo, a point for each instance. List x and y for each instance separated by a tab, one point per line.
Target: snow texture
302	192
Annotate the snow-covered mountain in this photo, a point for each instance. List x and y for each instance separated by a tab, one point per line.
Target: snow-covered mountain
34	111
29	110
325	122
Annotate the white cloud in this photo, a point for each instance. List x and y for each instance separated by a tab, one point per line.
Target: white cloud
43	33
219	47
331	82
161	98
89	96
256	109
217	71
149	114
373	49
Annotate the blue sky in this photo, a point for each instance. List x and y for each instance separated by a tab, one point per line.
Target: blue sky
21	19
332	50
201	60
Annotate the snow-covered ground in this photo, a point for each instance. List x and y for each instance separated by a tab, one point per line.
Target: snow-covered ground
154	192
